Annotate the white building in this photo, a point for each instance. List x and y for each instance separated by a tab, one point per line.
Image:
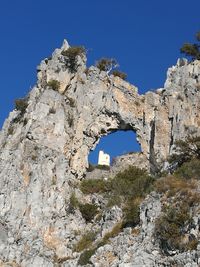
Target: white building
104	159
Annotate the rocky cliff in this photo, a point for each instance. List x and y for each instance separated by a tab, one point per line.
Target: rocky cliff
44	147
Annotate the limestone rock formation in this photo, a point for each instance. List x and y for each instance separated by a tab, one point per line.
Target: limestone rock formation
44	153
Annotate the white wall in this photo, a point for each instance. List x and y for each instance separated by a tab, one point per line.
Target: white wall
104	159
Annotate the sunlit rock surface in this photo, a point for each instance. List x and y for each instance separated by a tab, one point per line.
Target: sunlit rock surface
44	154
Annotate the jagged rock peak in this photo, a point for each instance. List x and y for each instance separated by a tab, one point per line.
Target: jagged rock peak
65	45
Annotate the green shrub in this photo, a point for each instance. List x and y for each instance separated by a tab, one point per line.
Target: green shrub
192	244
85	257
132	182
171	185
172	228
73	203
71	55
120	74
92	186
192	50
131	214
169	229
189	170
88	211
114	200
54	84
126	189
86	241
106	64
117	228
185	151
179	189
21	104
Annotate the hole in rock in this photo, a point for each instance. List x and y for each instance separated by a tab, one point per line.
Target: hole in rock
115	144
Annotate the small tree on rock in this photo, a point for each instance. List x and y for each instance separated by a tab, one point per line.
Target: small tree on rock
107	64
119	74
192	50
71	55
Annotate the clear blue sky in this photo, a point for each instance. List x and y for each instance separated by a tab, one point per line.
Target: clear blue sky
144	36
115	144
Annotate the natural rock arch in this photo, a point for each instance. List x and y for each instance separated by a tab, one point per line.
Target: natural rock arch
44	151
115	144
95	104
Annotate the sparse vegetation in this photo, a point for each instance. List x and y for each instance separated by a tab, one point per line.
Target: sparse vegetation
73	203
85	257
21	104
126	189
102	167
120	74
71	55
54	84
92	186
114	200
170	185
106	64
132	182
185	151
192	50
88	253
86	241
172	228
132	213
173	186
117	228
189	170
88	211
10	130
179	193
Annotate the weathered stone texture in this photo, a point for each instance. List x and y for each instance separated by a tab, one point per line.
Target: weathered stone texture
45	152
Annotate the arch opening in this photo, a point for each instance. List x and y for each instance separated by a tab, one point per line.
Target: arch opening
115	144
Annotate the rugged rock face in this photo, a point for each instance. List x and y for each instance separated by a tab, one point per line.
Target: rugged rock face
44	153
